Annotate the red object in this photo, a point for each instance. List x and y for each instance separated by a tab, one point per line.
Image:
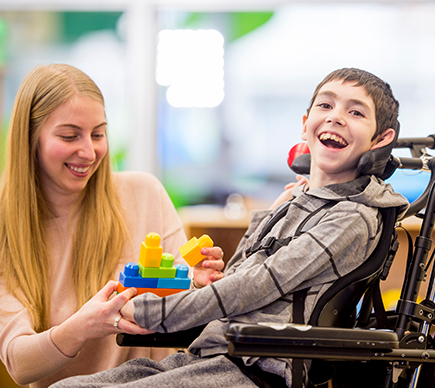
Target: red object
298	149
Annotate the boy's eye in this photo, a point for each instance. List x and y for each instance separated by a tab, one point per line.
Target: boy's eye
324	105
356	113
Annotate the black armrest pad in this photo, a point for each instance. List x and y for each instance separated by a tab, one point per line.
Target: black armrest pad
306	335
180	339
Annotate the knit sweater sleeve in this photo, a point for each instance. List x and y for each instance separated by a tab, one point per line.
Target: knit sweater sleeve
335	246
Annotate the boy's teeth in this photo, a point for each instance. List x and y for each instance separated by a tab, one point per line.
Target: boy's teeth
329	136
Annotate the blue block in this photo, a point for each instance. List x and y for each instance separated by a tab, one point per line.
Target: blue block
176	283
131	269
130	278
180	282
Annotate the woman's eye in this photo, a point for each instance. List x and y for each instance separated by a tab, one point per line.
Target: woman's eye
68	138
98	135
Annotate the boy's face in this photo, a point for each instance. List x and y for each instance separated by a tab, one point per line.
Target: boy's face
338	130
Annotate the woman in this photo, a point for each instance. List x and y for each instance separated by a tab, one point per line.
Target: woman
67	228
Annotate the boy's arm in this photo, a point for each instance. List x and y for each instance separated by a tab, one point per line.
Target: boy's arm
336	246
258	218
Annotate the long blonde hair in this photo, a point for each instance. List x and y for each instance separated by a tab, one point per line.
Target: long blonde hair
100	231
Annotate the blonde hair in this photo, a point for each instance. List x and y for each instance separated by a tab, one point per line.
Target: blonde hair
100	231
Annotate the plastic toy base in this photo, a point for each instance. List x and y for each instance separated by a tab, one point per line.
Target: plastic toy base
156	291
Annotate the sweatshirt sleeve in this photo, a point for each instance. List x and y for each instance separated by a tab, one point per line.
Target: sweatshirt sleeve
29	356
258	217
327	251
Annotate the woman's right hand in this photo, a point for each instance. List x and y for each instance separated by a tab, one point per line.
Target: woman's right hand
287	195
95	319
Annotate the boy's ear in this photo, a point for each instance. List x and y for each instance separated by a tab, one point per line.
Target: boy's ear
304	128
386	138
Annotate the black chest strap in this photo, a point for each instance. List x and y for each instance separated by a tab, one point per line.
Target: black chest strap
271	244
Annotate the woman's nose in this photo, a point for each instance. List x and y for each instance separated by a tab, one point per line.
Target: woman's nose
86	150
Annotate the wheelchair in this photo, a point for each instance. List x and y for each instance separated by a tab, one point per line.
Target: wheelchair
350	338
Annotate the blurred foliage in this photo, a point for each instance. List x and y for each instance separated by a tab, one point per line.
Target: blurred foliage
118	159
76	24
3	42
232	25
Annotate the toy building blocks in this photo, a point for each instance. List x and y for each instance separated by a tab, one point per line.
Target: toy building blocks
180	281
130	277
151	251
159	277
165	268
191	251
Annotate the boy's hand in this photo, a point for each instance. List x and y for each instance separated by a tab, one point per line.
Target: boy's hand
209	270
286	195
127	314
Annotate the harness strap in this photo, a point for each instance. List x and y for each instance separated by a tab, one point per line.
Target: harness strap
271	244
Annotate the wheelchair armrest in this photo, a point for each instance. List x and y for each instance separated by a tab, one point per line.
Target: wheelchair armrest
179	339
305	341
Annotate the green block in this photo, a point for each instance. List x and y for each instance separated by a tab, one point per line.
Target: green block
165	273
167	261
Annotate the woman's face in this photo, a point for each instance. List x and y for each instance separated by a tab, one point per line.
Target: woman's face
72	144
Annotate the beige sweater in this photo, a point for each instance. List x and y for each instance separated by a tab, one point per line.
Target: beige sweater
32	358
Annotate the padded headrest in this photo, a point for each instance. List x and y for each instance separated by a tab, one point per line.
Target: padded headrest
377	162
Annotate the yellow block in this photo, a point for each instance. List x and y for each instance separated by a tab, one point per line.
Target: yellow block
191	251
151	251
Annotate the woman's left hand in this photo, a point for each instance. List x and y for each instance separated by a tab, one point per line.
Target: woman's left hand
210	268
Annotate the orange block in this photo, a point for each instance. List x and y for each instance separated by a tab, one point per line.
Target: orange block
156	291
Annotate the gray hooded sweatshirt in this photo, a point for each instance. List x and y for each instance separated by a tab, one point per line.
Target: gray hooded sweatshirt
260	288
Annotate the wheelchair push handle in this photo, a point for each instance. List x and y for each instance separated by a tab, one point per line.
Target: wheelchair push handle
420	160
417	145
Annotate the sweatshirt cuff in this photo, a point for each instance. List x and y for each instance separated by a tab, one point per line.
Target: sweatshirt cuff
49	348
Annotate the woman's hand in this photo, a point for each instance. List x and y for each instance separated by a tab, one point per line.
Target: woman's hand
97	318
286	195
209	269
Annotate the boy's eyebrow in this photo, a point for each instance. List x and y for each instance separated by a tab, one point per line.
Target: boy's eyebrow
73	126
355	101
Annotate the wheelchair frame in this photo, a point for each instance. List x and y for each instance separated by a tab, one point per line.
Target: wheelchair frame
401	352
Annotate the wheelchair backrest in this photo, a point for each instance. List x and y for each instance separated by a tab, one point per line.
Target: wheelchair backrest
337	306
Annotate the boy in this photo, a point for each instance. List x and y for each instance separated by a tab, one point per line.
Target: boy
351	112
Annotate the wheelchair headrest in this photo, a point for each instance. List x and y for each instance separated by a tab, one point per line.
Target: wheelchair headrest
377	162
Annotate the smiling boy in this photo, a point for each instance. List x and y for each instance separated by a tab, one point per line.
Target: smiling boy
351	112
340	127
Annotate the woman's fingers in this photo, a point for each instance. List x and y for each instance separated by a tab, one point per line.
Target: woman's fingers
122	298
125	326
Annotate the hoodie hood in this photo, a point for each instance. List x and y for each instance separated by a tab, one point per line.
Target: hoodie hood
368	190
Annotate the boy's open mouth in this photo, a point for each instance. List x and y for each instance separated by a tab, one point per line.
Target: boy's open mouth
332	140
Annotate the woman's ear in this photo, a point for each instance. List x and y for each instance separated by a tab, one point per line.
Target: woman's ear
304	128
386	138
